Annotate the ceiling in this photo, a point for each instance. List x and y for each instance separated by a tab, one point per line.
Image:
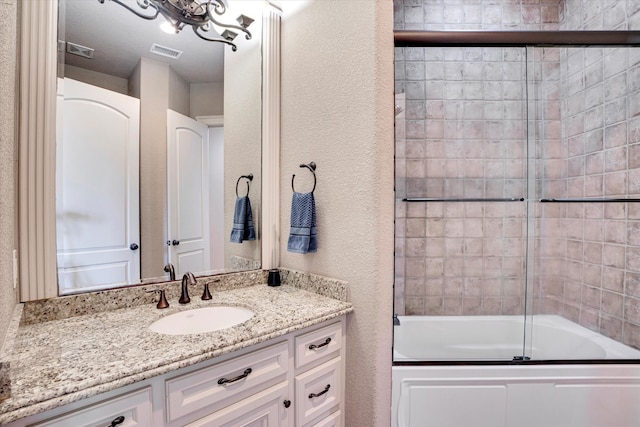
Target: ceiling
120	38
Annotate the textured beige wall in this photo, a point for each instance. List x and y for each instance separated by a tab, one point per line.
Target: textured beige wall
95	78
8	16
179	99
337	110
207	99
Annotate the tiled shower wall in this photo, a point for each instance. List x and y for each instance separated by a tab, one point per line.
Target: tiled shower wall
458	136
461	133
600	284
465	137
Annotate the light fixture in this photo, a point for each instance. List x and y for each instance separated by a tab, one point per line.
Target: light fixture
199	14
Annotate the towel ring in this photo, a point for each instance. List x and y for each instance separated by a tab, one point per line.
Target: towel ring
312	167
249	179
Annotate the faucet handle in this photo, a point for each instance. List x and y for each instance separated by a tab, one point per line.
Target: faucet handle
162	302
206	295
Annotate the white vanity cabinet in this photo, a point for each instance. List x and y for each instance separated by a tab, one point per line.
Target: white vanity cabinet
304	392
296	380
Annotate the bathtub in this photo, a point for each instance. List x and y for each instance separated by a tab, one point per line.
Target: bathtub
433	383
481	338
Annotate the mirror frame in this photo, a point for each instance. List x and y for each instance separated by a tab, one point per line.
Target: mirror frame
36	153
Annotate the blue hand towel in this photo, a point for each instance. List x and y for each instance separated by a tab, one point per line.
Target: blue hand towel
242	221
302	236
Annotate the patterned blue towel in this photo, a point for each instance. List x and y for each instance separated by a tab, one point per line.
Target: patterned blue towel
302	236
242	221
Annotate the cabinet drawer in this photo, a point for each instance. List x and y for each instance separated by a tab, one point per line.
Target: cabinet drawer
333	420
318	391
135	407
263	409
213	387
321	344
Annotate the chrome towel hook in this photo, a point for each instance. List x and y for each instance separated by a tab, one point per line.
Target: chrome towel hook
249	178
312	167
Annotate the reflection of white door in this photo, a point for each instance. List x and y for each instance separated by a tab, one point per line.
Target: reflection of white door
97	204
188	194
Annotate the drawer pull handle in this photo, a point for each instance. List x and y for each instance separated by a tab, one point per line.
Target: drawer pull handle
287	403
326	389
116	421
314	346
245	374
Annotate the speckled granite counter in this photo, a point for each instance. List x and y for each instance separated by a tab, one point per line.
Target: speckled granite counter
61	361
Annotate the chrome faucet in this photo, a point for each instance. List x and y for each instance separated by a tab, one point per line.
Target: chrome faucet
172	272
187	279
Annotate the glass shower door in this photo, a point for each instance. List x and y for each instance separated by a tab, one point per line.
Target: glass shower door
583	121
462	203
518	200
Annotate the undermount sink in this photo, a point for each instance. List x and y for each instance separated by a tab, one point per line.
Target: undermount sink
201	320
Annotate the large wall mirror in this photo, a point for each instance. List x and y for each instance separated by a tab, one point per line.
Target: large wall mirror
158	136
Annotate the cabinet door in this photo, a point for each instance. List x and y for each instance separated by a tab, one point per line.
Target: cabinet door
265	409
318	392
203	388
318	346
135	408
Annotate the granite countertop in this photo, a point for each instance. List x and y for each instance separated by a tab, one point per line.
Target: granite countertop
57	362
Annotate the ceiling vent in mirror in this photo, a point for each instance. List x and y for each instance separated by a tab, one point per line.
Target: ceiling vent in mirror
165	51
76	49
